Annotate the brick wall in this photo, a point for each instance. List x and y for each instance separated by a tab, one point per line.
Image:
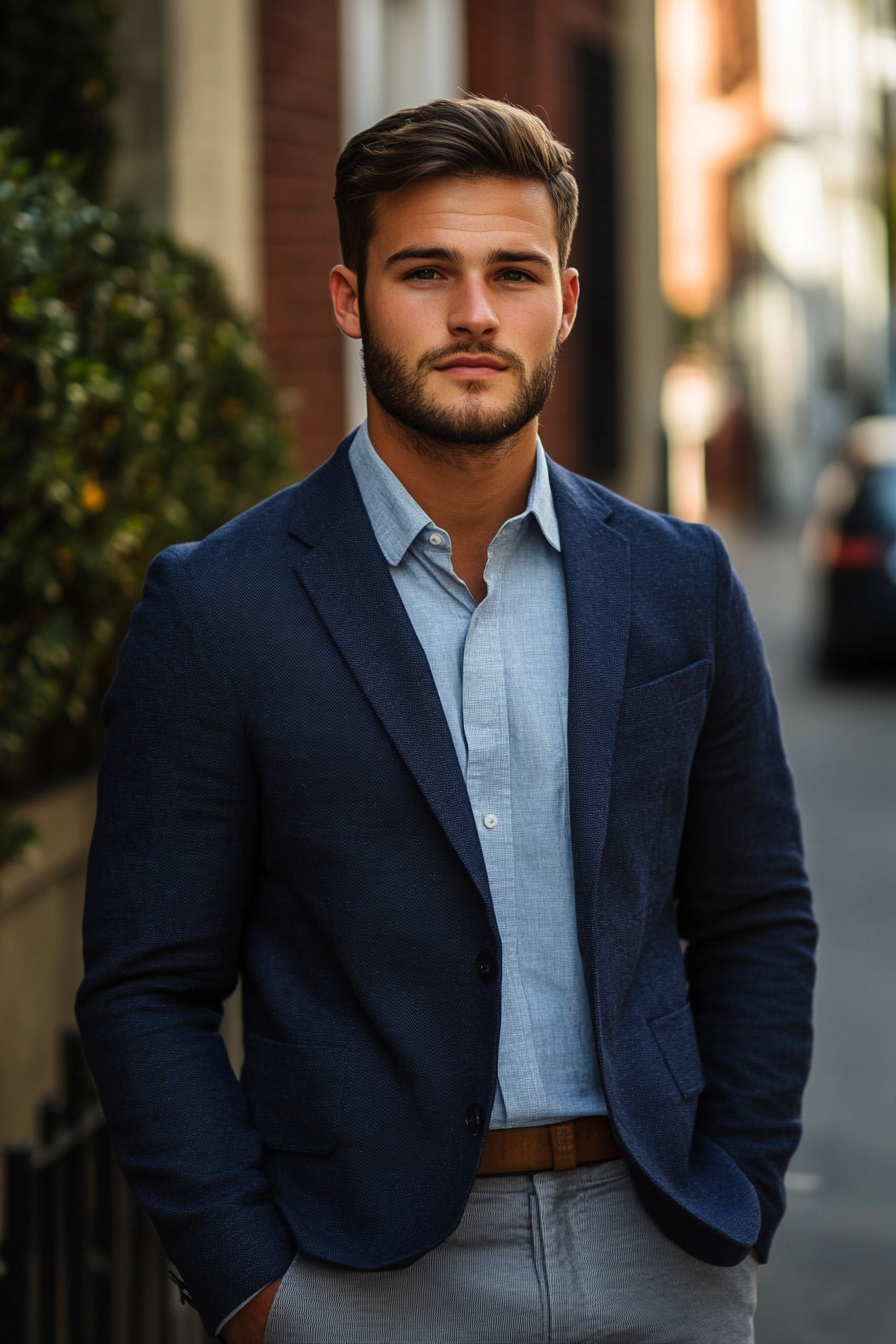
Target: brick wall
299	49
524	50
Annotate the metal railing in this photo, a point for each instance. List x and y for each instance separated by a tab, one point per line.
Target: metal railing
81	1263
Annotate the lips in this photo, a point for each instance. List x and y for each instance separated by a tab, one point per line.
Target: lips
473	362
472	366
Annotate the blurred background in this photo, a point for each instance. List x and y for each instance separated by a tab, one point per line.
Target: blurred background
167	356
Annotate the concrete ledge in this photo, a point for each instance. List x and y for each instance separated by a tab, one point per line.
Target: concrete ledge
41	899
64	820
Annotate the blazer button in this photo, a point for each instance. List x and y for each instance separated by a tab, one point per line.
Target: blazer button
473	1121
485	967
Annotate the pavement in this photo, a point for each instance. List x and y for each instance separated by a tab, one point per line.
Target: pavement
832	1275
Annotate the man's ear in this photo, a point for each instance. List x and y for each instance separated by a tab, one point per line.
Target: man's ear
344	293
570	289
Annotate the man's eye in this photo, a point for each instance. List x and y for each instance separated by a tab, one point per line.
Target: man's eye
424	273
515	276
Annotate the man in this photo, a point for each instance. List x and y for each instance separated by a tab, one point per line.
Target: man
448	754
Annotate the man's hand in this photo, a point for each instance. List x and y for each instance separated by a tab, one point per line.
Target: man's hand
248	1325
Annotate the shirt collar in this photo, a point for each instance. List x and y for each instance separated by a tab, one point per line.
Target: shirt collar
396	517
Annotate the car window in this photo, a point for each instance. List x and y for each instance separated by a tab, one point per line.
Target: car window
882	492
875	507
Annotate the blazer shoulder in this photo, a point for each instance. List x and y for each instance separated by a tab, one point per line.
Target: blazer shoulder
242	574
242	538
254	539
650	534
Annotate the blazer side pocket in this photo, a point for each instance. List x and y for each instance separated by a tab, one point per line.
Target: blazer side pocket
674	1034
295	1092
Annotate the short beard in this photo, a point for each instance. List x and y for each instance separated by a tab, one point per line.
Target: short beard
443	434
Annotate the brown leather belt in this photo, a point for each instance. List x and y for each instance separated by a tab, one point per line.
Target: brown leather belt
548	1147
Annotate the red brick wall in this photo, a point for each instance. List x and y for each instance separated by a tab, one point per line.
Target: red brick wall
299	44
523	50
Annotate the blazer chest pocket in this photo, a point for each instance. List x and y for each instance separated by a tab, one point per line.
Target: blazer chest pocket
294	1092
668	693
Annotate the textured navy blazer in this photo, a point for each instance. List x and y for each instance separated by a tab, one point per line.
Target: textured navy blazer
280	799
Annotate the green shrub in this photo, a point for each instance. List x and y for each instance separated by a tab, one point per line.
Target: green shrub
56	81
134	412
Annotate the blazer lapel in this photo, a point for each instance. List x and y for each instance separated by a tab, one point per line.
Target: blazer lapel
347	578
596	566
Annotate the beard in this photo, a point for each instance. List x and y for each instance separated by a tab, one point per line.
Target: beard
441	431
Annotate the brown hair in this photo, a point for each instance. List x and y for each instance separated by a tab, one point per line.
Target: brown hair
469	137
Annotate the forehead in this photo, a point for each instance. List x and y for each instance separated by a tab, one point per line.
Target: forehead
472	215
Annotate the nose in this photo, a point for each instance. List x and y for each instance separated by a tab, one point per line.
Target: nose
472	316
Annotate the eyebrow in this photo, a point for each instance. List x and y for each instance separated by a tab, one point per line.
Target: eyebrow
507	257
418	252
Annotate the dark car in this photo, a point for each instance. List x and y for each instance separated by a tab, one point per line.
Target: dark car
852	537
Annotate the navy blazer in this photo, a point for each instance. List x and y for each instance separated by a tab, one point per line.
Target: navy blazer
280	799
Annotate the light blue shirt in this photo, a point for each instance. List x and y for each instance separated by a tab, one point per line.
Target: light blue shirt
502	672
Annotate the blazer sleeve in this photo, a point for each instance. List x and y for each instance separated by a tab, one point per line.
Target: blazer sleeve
745	913
170	876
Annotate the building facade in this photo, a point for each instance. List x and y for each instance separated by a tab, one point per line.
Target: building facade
776	173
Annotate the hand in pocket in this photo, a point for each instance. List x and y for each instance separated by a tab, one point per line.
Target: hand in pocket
248	1325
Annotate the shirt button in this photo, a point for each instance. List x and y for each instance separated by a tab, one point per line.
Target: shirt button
490	821
435	538
485	967
473	1121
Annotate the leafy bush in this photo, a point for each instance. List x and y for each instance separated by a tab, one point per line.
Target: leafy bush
134	412
56	81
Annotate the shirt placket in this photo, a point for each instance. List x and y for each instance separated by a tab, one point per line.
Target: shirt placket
487	731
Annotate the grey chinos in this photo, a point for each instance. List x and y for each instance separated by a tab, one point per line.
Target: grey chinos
556	1258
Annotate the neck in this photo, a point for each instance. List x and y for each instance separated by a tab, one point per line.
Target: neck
470	492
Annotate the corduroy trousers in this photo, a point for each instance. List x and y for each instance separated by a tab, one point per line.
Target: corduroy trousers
557	1258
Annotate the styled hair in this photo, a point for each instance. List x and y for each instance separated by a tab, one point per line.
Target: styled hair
463	137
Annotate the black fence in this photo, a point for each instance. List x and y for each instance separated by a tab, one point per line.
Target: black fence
81	1264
